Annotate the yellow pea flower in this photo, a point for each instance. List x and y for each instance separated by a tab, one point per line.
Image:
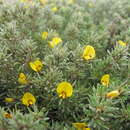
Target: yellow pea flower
86	129
44	35
81	126
105	79
55	41
113	94
22	79
122	43
54	9
9	100
28	99
36	65
89	53
8	115
64	90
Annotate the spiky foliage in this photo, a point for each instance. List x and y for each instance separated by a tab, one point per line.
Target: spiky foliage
78	23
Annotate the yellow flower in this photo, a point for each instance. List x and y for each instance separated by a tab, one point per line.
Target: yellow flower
64	90
86	129
8	115
55	41
9	100
89	52
105	79
44	35
113	94
122	43
22	79
79	125
54	9
28	99
36	65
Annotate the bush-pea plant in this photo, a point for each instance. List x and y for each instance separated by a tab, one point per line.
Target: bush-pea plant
78	23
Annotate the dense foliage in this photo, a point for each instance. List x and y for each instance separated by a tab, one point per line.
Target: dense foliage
42	44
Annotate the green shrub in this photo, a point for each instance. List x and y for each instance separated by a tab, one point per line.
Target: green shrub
100	24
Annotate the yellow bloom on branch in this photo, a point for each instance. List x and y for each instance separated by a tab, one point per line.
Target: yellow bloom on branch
64	90
44	35
28	99
113	94
22	79
79	125
9	100
8	115
36	65
105	79
54	9
55	41
86	129
89	53
122	43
